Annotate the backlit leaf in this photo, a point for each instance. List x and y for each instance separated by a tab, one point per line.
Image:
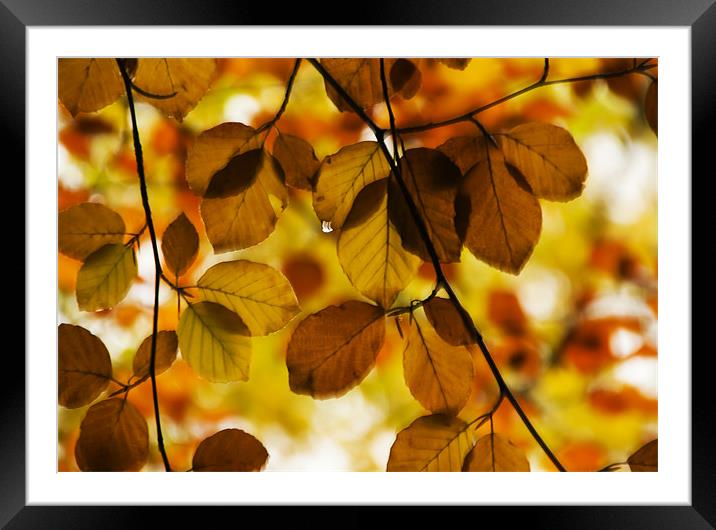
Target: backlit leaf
105	277
87	85
446	319
230	450
455	63
651	106
433	181
245	219
180	245
214	342
505	218
342	176
438	375
214	148
84	366
113	437
431	443
646	458
333	350
187	78
87	227
464	151
548	158
298	160
494	452
166	353
370	250
236	176
259	294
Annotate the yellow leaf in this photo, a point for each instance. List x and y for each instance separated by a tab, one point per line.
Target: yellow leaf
370	250
504	219
87	85
447	321
651	106
494	452
230	450
87	227
431	443
213	149
432	181
646	458
180	245
214	342
187	78
438	375
259	294
166	352
333	350
548	158
84	366
113	437
298	160
342	176
105	277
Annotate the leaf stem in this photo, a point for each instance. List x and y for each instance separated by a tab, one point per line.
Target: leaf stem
286	97
157	264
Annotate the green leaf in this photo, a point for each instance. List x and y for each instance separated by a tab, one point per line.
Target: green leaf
104	279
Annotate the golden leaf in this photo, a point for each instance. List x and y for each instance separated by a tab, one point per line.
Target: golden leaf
298	160
87	227
84	366
166	352
105	277
464	151
494	452
180	245
445	318
87	85
333	350
230	450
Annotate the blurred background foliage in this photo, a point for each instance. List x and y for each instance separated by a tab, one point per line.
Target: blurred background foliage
575	334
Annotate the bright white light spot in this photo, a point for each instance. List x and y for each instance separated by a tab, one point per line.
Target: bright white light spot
639	372
326	226
70	173
624	342
541	292
241	108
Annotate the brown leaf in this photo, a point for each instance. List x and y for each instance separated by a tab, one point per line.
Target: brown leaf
113	437
87	85
87	227
431	443
236	176
464	151
505	218
180	245
432	181
447	321
494	452
230	450
455	63
166	353
651	106
298	160
187	78
646	458
84	366
438	375
548	158
333	350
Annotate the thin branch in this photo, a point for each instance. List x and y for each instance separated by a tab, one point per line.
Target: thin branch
155	250
286	97
422	229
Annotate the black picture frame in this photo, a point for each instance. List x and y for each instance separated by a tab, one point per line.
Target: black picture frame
699	15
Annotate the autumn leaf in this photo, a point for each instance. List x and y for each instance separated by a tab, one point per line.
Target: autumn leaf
548	158
105	277
464	151
230	450
431	443
113	437
298	160
84	366
438	375
370	250
432	181
180	245
87	227
343	175
455	63
494	452
236	176
259	294
360	78
215	343
187	78
214	148
351	335
651	106
166	352
88	85
646	458
504	219
243	220
447	322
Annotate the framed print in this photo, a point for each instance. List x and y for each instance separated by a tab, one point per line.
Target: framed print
437	240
